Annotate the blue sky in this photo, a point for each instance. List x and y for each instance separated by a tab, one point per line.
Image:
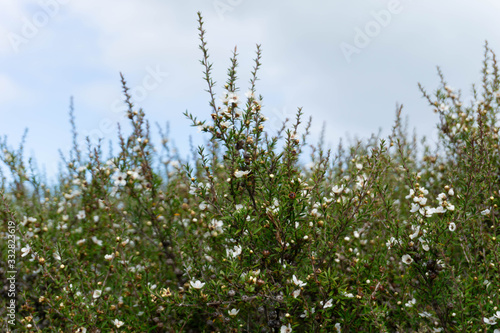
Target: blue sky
347	63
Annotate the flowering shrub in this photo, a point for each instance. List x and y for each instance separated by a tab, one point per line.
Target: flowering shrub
387	235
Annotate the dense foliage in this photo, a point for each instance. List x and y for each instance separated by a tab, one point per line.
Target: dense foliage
386	235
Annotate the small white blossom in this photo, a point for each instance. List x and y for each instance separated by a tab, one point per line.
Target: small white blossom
25	250
337	189
297	282
239	174
486	212
119	178
233	312
197	284
416	231
328	304
233	253
391	242
452	226
407	259
80	215
118	323
96	241
286	329
414	207
97	293
411	303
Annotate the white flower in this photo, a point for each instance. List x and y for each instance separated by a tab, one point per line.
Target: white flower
427	211
233	312
328	304
337	327
80	215
96	241
439	329
391	242
81	241
411	303
497	314
232	97
407	259
451	192
25	250
239	174
337	189
118	323
417	231
425	314
297	282
359	166
249	94
490	321
216	226
423	191
441	197
350	295
197	284
425	247
420	200
286	329
119	178
486	212
414	207
412	193
452	226
97	293
109	257
81	330
56	256
440	210
236	251
296	293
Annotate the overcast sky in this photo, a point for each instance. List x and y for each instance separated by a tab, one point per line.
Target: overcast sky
346	62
